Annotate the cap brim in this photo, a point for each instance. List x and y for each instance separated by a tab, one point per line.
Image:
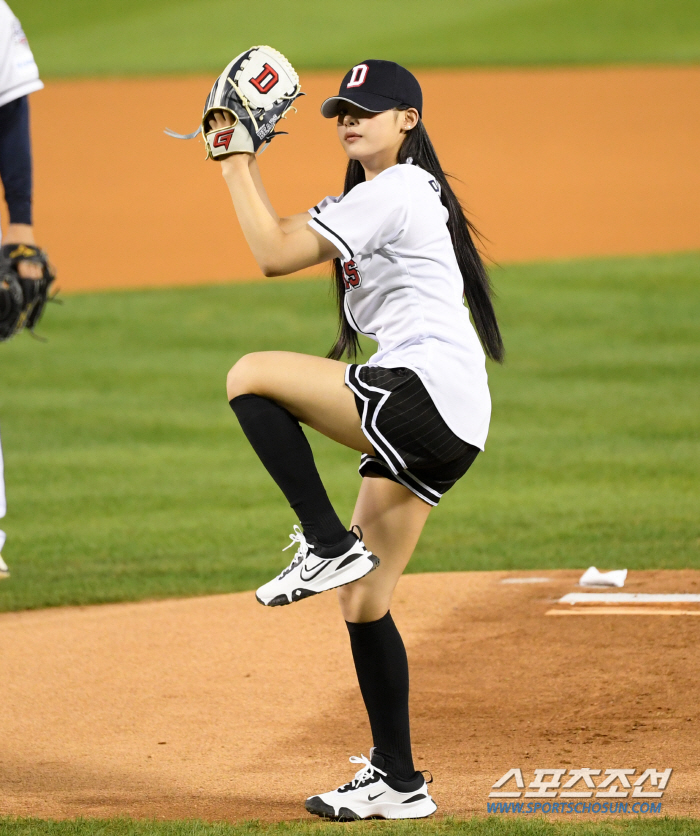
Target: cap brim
367	101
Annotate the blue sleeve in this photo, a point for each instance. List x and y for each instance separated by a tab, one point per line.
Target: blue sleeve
16	160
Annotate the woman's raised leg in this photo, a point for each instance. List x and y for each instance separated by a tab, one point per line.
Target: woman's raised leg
311	388
270	393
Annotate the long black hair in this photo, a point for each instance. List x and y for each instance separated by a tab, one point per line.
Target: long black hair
477	285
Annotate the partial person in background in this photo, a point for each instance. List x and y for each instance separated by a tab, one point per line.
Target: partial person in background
25	274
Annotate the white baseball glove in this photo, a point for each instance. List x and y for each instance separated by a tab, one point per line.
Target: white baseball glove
256	89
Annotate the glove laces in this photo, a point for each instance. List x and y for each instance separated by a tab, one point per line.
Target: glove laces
302	551
366	772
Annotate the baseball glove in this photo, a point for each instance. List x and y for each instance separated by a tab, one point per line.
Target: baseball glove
256	89
10	303
22	300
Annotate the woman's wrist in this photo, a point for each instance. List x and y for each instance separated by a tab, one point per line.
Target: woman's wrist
20	234
236	163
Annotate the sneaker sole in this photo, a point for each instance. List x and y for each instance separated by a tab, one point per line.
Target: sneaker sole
422	810
282	600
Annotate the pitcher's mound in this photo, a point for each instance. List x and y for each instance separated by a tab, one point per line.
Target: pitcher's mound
218	708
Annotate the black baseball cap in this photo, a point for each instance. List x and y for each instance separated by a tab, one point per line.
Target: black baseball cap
376	86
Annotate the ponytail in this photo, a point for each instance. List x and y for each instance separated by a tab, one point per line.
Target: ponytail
477	285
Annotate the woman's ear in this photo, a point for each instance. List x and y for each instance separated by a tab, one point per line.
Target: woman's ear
410	118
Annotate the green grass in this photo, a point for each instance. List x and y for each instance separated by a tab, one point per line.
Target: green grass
491	826
128	477
83	37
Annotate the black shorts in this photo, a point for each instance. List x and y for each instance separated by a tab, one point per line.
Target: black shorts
412	443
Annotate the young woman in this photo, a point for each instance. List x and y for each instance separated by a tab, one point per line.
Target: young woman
418	411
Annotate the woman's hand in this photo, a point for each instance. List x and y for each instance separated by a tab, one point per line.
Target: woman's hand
24	234
222	119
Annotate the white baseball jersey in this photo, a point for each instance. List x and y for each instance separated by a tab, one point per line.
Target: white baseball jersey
404	290
19	74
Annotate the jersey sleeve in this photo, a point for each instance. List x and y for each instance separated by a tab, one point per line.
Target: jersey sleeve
322	204
19	74
369	217
16	160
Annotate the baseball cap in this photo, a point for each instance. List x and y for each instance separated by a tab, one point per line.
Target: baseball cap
376	86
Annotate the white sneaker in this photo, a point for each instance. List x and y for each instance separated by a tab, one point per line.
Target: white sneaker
369	796
308	574
4	571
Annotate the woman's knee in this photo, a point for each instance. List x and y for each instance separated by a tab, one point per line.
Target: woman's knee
359	603
243	376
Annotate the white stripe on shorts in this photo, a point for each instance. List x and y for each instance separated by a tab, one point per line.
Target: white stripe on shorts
408	480
368	419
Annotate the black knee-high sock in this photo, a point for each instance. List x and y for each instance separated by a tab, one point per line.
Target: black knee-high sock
382	671
278	439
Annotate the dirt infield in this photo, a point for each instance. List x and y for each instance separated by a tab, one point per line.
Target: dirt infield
218	708
555	163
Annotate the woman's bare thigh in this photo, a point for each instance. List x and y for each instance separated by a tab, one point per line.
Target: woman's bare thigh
391	519
312	388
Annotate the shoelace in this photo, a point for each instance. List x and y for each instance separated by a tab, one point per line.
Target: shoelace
303	550
363	774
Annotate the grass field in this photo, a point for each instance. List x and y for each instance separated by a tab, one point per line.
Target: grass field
491	826
79	37
128	477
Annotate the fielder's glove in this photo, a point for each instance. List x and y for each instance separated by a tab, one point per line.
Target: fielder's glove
10	303
256	89
22	300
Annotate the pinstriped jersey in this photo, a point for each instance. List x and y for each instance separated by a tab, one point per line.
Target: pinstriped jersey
403	288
